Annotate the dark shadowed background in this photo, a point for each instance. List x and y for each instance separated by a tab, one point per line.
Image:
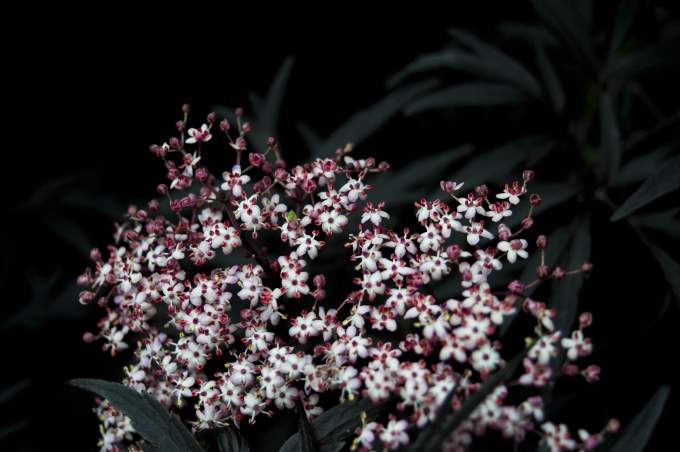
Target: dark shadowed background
89	99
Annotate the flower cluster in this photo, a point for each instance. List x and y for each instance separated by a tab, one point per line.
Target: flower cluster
242	340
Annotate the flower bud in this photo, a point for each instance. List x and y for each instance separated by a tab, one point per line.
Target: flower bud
280	163
585	319
541	242
181	126
174	143
570	369
238	112
95	254
319	281
527	223
527	175
247	127
613	425
504	232
592	373
186	108
162	189
586	267
516	287
83	280
89	337
212	117
534	199
154	205
482	191
85	297
271	142
202	174
256	159
224	126
267	167
383	166
453	252
558	273
543	272
370	162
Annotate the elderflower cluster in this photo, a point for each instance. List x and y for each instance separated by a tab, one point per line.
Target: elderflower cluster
237	341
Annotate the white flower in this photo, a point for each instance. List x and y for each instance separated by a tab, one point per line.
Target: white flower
577	345
394	435
234	181
513	249
199	135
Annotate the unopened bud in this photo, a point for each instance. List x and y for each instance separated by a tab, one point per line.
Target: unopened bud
162	189
558	273
238	112
534	199
224	125
527	223
95	254
86	297
516	287
212	117
586	267
541	242
543	272
181	126
383	166
186	108
585	319
482	191
527	175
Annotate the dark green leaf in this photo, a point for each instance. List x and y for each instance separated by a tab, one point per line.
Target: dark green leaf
665	180
455	59
505	67
625	15
571	28
335	425
649	60
669	266
230	440
472	94
565	294
365	123
162	429
308	442
640	168
551	80
610	138
637	433
432	437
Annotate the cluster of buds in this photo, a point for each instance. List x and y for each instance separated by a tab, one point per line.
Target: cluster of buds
241	341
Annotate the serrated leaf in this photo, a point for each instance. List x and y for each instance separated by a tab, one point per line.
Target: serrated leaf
365	123
571	28
230	440
160	428
565	294
504	66
431	437
610	138
335	425
637	433
551	81
472	94
665	180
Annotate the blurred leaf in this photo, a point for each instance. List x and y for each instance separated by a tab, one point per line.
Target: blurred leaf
455	59
610	138
569	26
504	66
664	181
636	434
650	60
308	443
669	266
8	430
642	166
472	94
230	440
15	389
162	429
626	13
365	123
431	438
565	293
530	34
665	222
339	423
71	232
551	80
272	103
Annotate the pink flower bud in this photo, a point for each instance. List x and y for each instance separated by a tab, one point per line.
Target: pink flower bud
319	281
504	232
383	166
271	142
154	205
212	117
482	191
89	337
613	425
280	174
83	280
592	373
86	297
224	126
256	159
558	273
181	126
267	167
586	267
247	127
527	175
202	174
516	287
238	112
543	272
280	163
186	108
585	319
174	143
527	223
162	189
534	199
370	162
541	242
453	252
95	254
570	369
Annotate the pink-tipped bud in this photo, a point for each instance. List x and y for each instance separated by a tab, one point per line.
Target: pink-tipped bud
527	223
202	174
613	425
256	159
84	280
89	337
238	112
95	254
586	267
319	281
516	287
271	142
247	127
267	167
153	205
592	373
541	242
570	369
86	297
370	162
174	143
534	199
543	272
528	175
482	191
186	108
280	163
181	126
162	189
558	273
453	252
212	117
224	125
504	232
585	319
383	166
